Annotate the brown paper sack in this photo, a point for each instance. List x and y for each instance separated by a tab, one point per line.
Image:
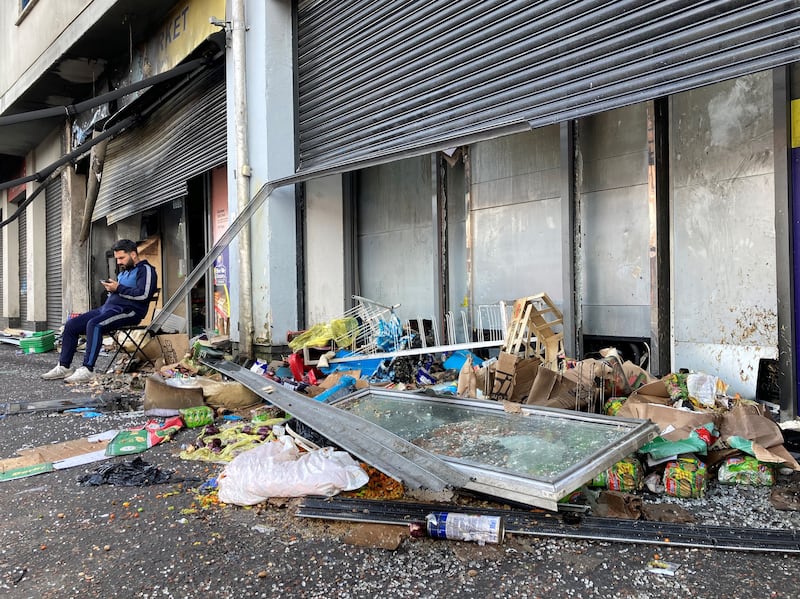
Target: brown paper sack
467	381
231	395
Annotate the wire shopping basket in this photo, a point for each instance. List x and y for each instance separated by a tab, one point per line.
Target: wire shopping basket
371	327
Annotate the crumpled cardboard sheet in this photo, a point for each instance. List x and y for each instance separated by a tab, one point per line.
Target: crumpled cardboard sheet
747	421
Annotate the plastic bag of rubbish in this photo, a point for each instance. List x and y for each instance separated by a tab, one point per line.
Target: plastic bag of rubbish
703	388
279	469
136	473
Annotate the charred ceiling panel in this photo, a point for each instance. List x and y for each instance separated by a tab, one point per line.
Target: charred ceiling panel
150	165
78	71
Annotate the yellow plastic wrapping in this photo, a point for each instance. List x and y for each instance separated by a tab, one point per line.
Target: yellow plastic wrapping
341	330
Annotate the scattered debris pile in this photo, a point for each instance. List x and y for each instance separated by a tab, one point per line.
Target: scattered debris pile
375	410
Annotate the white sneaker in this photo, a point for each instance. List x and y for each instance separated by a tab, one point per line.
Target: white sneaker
59	372
82	375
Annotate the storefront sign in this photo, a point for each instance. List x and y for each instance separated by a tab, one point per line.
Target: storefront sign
219	208
182	31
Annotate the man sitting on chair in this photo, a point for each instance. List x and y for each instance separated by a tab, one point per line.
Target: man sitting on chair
127	303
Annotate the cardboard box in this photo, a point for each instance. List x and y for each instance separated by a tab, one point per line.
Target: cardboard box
170	347
504	375
683	421
524	375
159	395
572	390
743	422
655	392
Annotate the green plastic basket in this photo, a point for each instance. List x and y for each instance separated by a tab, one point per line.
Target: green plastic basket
38	343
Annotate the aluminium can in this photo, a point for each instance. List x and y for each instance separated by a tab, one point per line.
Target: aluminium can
465	527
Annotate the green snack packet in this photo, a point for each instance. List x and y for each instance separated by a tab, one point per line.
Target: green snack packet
685	477
197	416
626	475
745	470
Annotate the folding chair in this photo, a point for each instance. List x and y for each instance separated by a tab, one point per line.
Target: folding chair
125	338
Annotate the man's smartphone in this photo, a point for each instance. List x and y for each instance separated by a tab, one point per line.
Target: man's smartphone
105	280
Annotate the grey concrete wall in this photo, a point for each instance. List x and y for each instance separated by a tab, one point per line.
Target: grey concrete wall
614	268
75	276
31	45
270	132
723	230
458	280
395	235
515	217
324	257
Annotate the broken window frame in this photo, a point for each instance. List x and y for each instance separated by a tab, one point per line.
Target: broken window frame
520	487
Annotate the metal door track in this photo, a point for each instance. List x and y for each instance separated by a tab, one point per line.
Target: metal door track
47	405
413	466
548	525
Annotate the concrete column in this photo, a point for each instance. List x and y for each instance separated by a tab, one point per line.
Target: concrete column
74	256
11	266
37	260
324	233
46	153
270	100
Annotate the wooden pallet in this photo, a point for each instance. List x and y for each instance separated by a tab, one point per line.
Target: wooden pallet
536	329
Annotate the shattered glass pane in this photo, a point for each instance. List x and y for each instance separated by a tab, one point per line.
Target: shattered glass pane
541	445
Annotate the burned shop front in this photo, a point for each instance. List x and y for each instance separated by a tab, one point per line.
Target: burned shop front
648	199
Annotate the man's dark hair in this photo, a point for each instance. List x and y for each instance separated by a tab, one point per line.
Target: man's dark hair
125	245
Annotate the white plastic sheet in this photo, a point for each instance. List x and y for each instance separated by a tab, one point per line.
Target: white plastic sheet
279	469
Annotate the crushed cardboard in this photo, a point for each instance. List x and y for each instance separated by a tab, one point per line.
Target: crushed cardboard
376	536
159	395
747	420
570	390
36	460
169	347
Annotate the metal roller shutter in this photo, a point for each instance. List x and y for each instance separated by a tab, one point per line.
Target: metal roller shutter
23	265
389	79
150	165
52	213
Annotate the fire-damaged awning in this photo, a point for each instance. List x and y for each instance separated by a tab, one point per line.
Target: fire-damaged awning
182	137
